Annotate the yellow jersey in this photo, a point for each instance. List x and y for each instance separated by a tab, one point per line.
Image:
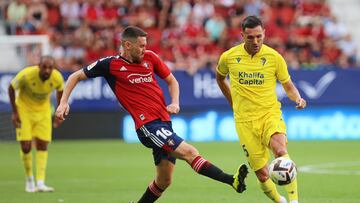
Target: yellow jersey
253	80
34	93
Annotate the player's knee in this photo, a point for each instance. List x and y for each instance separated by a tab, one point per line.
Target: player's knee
186	152
26	147
41	145
191	153
262	175
263	178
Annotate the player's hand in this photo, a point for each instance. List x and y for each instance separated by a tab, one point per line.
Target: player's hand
16	120
173	108
62	111
300	103
57	122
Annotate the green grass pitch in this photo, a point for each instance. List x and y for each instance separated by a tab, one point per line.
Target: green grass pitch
107	171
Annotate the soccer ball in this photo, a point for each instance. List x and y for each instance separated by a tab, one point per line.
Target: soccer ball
282	171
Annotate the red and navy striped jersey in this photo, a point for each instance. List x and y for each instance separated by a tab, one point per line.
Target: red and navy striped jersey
135	85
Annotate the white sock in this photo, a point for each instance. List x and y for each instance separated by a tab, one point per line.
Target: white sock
30	178
282	199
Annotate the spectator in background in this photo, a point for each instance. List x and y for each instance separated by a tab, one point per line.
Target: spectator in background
36	18
58	51
54	15
255	7
296	33
70	12
349	50
334	29
16	16
164	14
181	11
215	28
202	11
92	14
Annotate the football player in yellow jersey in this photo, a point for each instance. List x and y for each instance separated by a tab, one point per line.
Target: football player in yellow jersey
32	116
253	69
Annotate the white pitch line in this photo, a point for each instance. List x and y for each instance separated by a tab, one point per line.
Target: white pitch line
331	168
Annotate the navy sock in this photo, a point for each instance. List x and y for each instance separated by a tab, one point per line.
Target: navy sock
152	193
204	167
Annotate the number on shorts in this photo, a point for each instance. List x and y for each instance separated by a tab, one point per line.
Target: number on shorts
163	133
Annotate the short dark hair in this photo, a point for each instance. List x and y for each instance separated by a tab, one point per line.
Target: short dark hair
133	32
251	22
45	58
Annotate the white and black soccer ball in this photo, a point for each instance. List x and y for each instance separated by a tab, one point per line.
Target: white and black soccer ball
282	171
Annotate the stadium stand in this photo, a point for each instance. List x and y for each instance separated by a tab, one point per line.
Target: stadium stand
188	34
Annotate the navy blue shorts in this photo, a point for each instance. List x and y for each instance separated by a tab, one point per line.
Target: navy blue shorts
160	137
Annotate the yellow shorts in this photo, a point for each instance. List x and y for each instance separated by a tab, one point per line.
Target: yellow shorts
255	138
34	124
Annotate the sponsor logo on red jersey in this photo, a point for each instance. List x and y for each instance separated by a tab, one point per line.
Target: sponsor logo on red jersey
140	78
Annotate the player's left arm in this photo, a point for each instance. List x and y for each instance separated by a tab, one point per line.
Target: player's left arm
57	122
161	69
293	93
283	76
59	80
173	107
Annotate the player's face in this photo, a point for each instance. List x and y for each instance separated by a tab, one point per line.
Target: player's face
137	49
46	68
253	39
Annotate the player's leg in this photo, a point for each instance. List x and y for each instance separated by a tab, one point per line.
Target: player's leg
42	132
163	161
41	164
26	157
275	138
278	144
278	147
23	135
204	167
257	154
268	186
164	171
159	135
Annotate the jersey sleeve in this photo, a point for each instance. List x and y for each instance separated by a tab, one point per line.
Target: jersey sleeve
282	73
19	79
59	81
222	67
100	67
160	68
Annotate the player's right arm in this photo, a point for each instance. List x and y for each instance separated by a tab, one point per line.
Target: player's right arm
16	84
222	70
224	86
73	80
98	68
15	116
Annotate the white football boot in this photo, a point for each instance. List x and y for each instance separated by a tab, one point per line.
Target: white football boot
41	187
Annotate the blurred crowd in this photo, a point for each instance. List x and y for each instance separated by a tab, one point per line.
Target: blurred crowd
188	34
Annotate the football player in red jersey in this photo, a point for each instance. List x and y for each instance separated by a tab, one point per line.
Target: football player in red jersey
131	76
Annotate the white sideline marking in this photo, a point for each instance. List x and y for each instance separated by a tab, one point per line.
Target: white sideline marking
331	168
